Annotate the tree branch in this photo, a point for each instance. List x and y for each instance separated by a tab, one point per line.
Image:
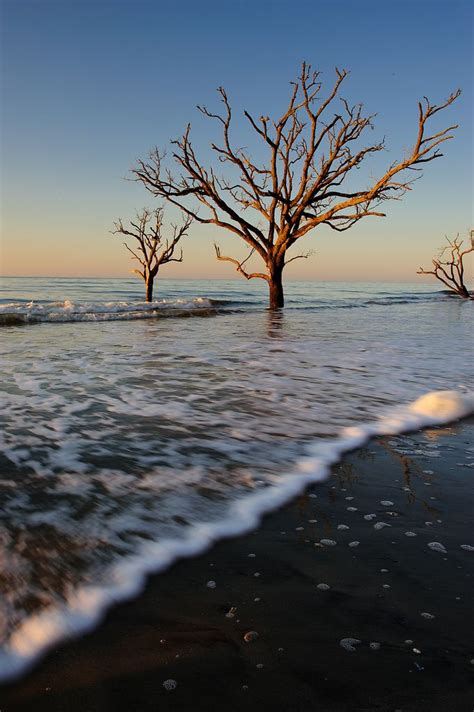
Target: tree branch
304	255
240	265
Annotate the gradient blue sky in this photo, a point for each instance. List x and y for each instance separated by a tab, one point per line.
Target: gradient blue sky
88	86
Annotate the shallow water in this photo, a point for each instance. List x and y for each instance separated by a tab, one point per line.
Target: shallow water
124	435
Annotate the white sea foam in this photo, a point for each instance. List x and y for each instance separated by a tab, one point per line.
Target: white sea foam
126	445
85	605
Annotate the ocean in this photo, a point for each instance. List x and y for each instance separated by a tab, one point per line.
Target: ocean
134	434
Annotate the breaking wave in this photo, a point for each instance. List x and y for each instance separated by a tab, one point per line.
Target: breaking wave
17	313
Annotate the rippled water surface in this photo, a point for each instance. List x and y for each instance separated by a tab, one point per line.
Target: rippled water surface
123	429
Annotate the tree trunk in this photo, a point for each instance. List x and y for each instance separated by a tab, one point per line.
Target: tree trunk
275	283
149	288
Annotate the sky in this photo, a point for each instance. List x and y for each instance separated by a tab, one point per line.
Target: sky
90	86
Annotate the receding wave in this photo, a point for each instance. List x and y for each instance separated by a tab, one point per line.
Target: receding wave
84	605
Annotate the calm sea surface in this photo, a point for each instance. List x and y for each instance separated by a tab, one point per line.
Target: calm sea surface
130	431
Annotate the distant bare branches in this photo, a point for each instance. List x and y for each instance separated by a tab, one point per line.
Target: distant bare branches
150	249
448	266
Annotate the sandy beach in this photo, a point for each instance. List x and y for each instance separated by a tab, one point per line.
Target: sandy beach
381	553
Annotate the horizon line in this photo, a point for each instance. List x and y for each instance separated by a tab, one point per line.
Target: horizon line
205	279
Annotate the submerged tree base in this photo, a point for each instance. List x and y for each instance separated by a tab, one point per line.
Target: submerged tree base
277	299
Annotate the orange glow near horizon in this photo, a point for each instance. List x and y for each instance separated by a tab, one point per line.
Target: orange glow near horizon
374	252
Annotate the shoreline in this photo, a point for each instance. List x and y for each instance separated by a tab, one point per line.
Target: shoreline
179	628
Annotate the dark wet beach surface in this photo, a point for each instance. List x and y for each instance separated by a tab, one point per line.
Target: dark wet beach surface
420	484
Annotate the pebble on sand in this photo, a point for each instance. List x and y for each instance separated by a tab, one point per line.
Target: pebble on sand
467	547
328	542
381	525
352	544
369	517
374	646
352	509
386	503
436	546
342	527
231	612
170	685
410	534
349	644
211	584
428	616
250	636
323	586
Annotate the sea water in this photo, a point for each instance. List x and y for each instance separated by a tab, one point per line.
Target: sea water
134	433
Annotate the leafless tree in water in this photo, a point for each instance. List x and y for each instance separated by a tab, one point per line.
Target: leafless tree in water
448	266
151	249
312	148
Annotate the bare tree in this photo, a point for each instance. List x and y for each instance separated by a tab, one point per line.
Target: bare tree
311	152
152	250
448	267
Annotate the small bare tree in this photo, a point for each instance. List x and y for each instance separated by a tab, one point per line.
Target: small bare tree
301	185
448	266
151	250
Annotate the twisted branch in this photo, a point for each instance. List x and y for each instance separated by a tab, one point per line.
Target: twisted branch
240	265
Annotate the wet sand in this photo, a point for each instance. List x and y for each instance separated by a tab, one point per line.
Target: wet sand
410	605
